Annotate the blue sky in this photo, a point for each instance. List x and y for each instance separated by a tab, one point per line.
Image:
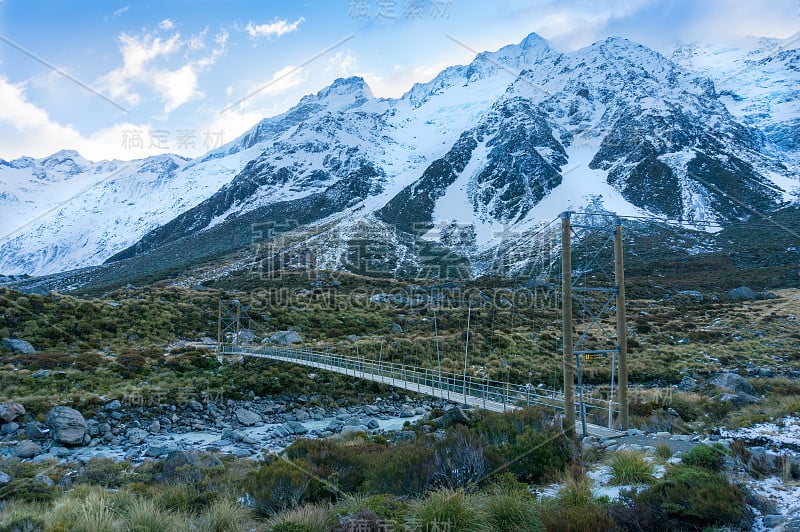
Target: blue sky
125	79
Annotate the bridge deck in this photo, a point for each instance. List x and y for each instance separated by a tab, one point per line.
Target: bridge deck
490	395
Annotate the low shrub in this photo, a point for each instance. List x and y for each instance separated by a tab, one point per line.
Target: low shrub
691	498
705	456
27	490
538	455
278	486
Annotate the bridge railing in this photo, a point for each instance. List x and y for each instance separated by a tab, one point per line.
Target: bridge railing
470	389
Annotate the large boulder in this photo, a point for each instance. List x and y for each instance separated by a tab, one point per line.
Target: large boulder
15	345
285	338
11	411
66	425
136	436
28	449
186	466
732	382
247	417
742	293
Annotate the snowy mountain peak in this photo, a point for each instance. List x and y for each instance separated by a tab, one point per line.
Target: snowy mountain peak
343	93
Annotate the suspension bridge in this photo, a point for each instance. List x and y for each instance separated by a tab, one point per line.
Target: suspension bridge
552	247
492	395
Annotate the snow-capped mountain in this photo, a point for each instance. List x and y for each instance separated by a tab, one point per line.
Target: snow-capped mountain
501	144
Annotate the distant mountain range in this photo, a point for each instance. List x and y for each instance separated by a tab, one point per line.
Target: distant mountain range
499	146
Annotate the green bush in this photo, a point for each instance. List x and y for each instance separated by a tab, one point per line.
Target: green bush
538	456
407	469
708	457
630	467
278	486
691	497
447	510
27	490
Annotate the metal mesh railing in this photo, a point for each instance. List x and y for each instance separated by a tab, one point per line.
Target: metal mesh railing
475	391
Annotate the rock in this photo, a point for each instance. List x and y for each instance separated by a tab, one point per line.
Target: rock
295	427
737	399
36	431
185	466
156	450
765	372
41	478
335	425
11	411
4	478
733	383
691	293
247	417
742	293
60	452
154	427
635	432
9	428
285	338
406	435
66	425
196	406
136	436
687	384
455	415
134	338
246	336
663	434
371	410
406	411
41	374
28	449
773	520
354	429
396	328
15	345
373	424
113	405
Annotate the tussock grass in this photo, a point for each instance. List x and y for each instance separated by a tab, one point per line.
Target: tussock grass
630	467
306	518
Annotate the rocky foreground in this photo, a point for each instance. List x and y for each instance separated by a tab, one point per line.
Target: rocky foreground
241	428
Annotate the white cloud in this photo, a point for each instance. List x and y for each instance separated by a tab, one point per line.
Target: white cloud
121	11
276	28
341	63
144	64
166	24
401	78
281	81
26	127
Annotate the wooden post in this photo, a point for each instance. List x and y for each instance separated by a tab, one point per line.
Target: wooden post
219	327
568	361
622	326
466	351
